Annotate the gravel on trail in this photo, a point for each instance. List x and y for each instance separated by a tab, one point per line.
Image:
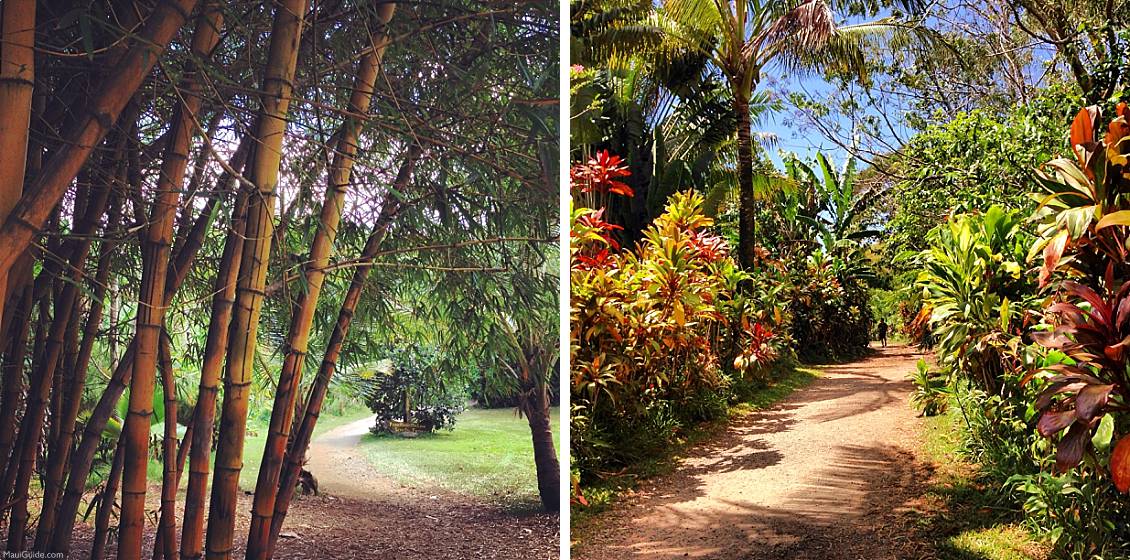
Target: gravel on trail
828	473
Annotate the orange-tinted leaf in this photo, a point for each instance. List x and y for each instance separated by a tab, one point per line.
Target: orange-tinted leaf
1120	218
1120	110
1083	127
1083	132
1120	464
1116	131
1052	253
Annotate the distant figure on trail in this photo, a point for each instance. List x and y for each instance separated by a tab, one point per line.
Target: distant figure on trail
883	332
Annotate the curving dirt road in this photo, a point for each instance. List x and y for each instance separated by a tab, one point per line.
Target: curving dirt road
826	474
363	515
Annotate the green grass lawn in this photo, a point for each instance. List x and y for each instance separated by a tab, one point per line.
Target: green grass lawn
257	437
971	523
489	455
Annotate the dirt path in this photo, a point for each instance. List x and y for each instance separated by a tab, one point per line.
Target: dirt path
342	470
362	515
825	474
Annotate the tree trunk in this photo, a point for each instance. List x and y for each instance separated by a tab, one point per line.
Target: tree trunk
297	345
536	408
49	186
192	536
282	59
296	453
150	315
747	218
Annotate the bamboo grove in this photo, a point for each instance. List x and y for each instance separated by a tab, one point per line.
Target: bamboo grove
203	198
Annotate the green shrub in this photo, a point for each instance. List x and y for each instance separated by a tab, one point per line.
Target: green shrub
931	390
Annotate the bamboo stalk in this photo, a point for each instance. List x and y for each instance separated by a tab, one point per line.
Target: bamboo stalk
296	453
17	84
61	450
298	337
192	536
13	385
106	505
40	390
83	458
35	206
165	545
157	247
282	59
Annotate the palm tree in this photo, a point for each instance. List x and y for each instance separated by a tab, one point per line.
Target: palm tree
740	39
836	211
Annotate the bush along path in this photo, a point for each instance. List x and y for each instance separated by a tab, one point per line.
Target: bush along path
830	473
361	514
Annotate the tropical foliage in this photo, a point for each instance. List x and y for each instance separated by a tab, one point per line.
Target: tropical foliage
1029	308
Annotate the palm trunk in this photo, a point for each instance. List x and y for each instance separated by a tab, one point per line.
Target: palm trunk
296	454
536	409
106	505
17	84
192	536
264	171
747	219
49	186
290	377
150	316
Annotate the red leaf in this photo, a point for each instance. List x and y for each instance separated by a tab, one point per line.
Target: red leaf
1053	422
1052	253
1091	401
1100	311
1045	399
1070	450
1120	465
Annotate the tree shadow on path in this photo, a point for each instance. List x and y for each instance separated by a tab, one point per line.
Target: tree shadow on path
828	473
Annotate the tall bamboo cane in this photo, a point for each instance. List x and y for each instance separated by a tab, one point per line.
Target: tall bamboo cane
35	206
282	58
83	458
297	342
192	536
17	83
150	315
296	453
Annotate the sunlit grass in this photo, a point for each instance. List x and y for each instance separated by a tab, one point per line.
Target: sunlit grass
971	522
999	542
489	455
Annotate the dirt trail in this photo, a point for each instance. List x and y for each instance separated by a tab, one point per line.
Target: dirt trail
363	515
342	470
825	474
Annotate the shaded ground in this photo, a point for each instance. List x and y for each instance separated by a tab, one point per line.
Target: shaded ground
362	515
828	473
